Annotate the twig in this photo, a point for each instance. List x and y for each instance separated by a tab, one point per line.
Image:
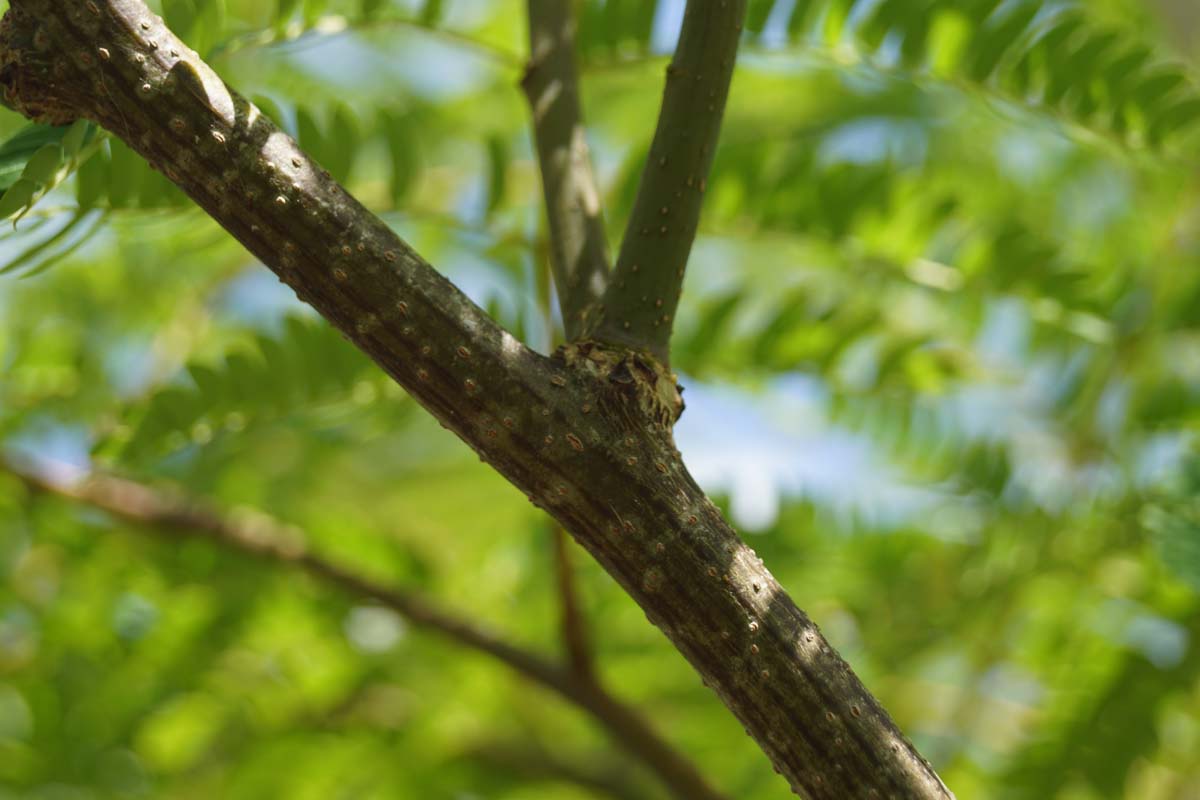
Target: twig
534	763
640	302
261	536
579	249
574	626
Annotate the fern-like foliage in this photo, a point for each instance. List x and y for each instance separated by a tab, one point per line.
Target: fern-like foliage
1050	57
305	368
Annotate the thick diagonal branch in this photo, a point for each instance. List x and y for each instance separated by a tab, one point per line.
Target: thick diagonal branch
643	292
578	252
584	434
174	515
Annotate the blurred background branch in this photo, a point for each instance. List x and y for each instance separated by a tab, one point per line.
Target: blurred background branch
575	635
254	533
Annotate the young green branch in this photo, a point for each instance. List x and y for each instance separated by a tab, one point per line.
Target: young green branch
643	293
579	251
174	515
585	434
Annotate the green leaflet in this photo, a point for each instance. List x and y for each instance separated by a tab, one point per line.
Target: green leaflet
403	147
497	159
303	366
431	12
284	9
36	158
1058	62
16	152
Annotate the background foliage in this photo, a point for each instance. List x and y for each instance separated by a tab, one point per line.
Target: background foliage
941	336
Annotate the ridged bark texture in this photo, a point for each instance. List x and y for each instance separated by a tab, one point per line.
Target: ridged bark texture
585	434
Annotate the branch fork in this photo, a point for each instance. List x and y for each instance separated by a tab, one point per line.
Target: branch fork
638	378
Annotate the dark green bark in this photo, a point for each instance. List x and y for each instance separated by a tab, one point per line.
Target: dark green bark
585	434
643	294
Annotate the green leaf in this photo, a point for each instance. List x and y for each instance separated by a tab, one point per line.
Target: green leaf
756	15
799	20
999	35
714	324
313	10
49	253
403	147
343	144
792	312
431	12
1175	118
269	107
209	383
16	152
369	9
284	10
1055	58
43	253
43	165
498	156
91	181
308	134
209	26
180	16
77	134
126	175
1155	87
17	198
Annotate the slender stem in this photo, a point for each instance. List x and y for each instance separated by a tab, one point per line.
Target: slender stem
574	625
643	294
172	515
579	249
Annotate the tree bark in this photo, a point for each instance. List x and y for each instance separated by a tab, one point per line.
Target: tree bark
579	250
585	433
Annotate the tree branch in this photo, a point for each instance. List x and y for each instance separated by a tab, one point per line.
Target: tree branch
579	250
585	434
533	763
574	626
172	515
643	294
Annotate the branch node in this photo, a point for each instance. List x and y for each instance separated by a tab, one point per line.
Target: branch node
633	378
